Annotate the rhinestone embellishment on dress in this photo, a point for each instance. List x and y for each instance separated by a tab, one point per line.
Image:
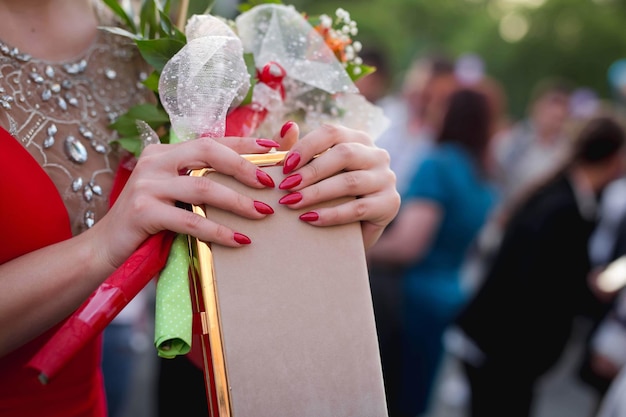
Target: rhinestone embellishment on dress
61	113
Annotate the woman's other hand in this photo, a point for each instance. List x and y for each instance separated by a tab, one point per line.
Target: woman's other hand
332	162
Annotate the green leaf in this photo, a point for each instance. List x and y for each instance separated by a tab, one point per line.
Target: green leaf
166	7
361	71
248	58
149	113
152	82
120	32
200	7
148	19
115	6
126	124
252	3
132	144
158	51
170	30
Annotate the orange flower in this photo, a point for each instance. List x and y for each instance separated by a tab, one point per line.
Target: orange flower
337	45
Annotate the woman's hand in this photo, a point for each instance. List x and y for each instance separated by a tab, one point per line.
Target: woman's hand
347	164
147	203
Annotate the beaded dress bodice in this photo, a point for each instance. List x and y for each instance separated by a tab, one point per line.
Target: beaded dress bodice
60	112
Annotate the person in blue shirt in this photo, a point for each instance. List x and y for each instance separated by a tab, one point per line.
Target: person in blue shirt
446	204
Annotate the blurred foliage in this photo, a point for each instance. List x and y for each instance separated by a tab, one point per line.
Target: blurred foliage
574	39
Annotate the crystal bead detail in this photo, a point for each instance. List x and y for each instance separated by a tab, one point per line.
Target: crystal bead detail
77	184
90	218
75	150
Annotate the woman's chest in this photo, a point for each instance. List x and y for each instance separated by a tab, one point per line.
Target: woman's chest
61	112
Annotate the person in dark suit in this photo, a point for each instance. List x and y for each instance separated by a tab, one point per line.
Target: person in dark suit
519	320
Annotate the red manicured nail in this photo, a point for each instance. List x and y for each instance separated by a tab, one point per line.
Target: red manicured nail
241	239
292	198
285	128
290	182
268	143
309	216
264	178
263	208
291	162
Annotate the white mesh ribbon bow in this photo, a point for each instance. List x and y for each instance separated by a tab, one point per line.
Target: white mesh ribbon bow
204	79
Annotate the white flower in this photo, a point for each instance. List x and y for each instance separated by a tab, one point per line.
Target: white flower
343	14
326	21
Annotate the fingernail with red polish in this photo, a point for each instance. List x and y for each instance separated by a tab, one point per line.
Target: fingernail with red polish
290	182
263	208
241	239
309	216
291	162
292	198
264	178
285	128
268	143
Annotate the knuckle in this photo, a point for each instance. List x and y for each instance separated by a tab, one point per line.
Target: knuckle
352	181
313	193
242	202
345	151
141	204
360	208
151	149
202	186
332	130
313	171
383	156
192	220
222	233
205	146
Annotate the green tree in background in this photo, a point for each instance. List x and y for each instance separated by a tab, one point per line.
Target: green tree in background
520	41
575	39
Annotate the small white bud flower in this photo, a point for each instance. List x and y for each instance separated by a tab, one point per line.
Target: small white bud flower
326	21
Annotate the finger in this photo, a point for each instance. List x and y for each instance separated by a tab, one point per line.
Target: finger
197	154
187	222
340	158
352	183
370	209
288	135
249	145
320	140
203	190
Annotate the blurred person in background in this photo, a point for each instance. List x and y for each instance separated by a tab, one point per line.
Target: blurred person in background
448	200
518	322
427	84
375	87
537	143
416	113
605	348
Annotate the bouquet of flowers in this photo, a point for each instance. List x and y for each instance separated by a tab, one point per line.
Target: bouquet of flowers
242	77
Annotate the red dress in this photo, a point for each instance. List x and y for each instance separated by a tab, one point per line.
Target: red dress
34	217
